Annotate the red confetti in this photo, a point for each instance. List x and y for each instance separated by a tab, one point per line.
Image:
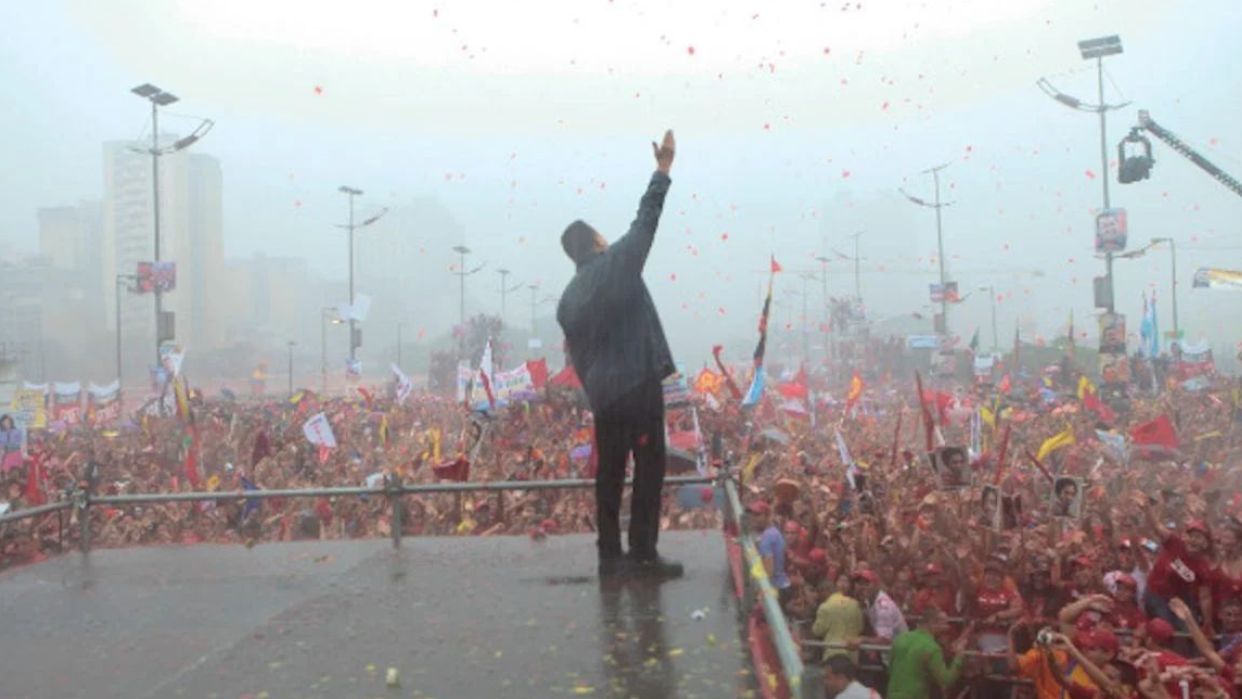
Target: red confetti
1090	175
672	277
827	50
721	310
297	203
724	236
845	174
690	50
319	89
884	107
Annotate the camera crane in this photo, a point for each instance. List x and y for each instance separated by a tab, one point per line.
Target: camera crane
1138	166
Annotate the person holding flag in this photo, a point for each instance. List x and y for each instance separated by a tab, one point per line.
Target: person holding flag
618	348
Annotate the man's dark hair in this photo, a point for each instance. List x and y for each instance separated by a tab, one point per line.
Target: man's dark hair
1066	484
841	665
578	240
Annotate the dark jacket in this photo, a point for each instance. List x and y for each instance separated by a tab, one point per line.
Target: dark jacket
611	326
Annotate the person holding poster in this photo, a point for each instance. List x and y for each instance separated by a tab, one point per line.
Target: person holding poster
617	346
11	441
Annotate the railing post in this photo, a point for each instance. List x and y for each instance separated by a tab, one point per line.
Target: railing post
82	503
392	483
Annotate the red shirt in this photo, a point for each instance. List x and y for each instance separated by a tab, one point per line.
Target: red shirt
1126	616
989	601
1178	573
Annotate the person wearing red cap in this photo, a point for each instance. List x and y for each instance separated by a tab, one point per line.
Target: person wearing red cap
883	614
993	605
1182	570
933	588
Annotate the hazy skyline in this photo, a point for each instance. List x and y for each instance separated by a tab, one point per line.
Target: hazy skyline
796	125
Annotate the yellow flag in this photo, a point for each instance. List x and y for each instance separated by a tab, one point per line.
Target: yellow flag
1064	439
748	471
1084	387
988	417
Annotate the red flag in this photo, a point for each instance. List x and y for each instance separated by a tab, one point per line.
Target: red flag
776	266
929	424
367	396
566	378
1158	432
34	494
191	457
455	470
1005	384
1092	402
538	369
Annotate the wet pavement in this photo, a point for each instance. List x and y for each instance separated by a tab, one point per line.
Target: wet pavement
456	617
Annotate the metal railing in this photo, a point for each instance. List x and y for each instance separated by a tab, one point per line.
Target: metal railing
82	500
756	583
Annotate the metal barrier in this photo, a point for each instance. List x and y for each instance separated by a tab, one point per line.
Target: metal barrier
81	500
755	581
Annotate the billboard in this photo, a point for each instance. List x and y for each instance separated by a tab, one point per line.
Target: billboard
1110	231
156	276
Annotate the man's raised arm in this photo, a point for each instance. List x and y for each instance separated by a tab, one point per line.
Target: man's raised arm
631	250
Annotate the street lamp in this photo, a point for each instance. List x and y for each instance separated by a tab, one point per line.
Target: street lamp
1095	49
992	295
461	273
326	315
351	227
159	98
291	345
1177	334
937	205
505	289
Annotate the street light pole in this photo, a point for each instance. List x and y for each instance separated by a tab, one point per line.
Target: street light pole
291	344
937	205
324	319
857	275
992	295
351	192
1096	49
399	344
1177	335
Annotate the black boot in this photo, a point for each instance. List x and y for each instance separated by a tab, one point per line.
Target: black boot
655	566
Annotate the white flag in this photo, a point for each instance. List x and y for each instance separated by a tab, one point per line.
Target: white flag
404	385
484	379
318	431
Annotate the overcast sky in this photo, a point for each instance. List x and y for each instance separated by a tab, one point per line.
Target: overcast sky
797	122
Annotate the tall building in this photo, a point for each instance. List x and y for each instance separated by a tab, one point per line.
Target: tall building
191	235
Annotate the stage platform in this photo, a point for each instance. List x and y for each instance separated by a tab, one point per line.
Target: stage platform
459	618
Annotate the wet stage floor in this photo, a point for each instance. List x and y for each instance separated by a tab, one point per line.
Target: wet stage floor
466	617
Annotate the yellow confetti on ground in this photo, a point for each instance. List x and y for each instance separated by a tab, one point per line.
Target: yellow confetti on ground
499	653
371	667
582	689
675	652
711	639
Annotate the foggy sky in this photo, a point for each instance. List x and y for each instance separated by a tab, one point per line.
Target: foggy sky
796	124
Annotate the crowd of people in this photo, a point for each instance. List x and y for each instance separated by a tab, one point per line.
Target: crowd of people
893	575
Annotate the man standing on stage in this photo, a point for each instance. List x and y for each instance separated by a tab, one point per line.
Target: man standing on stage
618	349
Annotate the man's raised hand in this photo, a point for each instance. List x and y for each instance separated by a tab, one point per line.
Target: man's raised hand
664	152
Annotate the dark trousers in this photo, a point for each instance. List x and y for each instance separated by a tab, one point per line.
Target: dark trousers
633	424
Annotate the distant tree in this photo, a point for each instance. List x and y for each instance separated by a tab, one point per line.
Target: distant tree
442	373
